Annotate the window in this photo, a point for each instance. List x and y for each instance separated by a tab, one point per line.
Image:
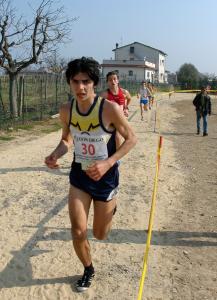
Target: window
130	73
131	49
148	74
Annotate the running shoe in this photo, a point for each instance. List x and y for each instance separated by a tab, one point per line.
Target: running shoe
85	281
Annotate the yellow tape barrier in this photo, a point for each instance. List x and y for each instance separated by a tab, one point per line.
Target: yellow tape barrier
150	221
194	91
186	91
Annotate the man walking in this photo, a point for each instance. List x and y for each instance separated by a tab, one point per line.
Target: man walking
202	103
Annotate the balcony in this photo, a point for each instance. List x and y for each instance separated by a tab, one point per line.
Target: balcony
128	63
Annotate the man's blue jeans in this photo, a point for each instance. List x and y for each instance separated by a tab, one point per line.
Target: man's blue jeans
199	116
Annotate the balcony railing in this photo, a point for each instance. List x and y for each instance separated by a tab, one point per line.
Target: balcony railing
125	62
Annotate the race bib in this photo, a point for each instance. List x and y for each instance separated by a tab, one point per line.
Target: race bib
89	148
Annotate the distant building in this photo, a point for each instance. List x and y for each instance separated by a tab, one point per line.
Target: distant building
137	62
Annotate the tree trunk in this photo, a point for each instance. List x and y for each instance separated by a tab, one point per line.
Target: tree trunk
1	100
13	95
20	96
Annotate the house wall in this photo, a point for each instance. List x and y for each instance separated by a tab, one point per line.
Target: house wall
139	50
141	53
139	74
161	69
149	75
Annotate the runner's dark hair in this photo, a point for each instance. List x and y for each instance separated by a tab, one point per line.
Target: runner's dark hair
86	65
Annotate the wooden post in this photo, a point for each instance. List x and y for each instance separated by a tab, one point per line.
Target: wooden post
2	104
56	91
41	99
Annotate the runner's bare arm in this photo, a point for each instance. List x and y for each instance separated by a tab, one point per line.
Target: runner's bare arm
66	140
149	91
127	97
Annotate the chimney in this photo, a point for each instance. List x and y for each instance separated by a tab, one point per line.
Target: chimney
116	45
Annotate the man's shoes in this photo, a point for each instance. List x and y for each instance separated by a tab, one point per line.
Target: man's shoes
85	281
205	134
198	131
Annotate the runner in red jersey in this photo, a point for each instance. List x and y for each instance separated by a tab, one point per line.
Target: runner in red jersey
119	98
115	93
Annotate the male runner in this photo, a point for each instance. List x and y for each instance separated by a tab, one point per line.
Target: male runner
115	93
91	122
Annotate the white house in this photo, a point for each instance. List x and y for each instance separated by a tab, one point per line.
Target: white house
138	62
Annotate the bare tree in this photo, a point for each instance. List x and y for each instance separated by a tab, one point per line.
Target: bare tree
24	43
55	63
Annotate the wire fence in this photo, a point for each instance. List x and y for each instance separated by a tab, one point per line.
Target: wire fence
40	96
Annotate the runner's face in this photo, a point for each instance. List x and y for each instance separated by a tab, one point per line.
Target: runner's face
82	87
112	81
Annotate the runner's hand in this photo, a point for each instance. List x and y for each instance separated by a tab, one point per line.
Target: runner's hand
51	161
126	112
98	169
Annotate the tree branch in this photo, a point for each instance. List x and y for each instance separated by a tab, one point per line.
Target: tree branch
48	29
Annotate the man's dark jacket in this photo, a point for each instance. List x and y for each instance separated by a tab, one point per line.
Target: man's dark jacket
206	108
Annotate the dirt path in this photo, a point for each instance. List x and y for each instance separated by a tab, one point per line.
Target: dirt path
192	236
37	260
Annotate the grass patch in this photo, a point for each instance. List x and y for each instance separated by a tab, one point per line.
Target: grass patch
51	128
6	138
33	130
25	126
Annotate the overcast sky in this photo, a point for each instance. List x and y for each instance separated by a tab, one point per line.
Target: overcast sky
185	30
